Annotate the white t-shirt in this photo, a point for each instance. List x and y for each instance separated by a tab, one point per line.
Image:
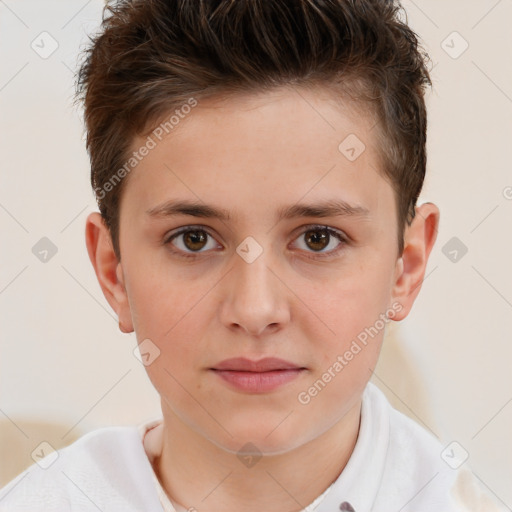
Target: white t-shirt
396	465
153	448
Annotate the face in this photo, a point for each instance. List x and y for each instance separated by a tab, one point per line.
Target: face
269	279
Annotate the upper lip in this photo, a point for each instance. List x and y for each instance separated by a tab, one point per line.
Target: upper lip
266	364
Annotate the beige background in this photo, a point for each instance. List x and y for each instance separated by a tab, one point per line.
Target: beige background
63	359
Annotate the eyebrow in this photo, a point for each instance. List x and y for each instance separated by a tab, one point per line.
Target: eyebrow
330	208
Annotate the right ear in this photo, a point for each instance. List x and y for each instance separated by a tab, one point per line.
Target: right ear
109	271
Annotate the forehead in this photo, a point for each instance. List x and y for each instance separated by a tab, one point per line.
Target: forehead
265	149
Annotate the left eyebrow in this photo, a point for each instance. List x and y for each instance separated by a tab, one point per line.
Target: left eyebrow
332	208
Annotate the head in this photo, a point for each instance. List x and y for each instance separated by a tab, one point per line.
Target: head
257	166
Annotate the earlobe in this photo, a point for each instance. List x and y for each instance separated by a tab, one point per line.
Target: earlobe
108	269
420	237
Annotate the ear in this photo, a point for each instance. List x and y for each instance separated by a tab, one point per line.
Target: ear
109	271
419	239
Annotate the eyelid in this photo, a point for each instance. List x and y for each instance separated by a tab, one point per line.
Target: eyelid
325	227
183	229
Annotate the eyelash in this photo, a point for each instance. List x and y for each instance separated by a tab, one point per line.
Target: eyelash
332	232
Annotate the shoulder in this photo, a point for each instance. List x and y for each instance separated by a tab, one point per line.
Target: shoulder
422	474
106	469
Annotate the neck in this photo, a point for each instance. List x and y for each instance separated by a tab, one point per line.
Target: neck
199	475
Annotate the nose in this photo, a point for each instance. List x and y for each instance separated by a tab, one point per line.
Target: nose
255	299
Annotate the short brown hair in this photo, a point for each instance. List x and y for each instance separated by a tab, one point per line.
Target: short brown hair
152	56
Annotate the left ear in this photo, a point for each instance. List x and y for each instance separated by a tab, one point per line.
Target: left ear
419	239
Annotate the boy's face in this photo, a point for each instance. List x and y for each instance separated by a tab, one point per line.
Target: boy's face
305	299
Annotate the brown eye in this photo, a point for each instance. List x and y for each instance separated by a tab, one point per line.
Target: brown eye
190	240
317	239
194	240
322	240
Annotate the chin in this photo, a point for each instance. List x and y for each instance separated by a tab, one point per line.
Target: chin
260	441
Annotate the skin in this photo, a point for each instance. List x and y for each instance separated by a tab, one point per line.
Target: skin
252	154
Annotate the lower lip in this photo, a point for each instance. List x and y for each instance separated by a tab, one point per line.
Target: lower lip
258	382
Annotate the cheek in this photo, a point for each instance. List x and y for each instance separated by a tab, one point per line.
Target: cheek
160	298
346	316
172	325
175	314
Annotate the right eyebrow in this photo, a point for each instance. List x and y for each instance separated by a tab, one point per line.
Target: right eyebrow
194	209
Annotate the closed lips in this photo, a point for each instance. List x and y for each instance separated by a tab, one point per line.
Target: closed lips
241	364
